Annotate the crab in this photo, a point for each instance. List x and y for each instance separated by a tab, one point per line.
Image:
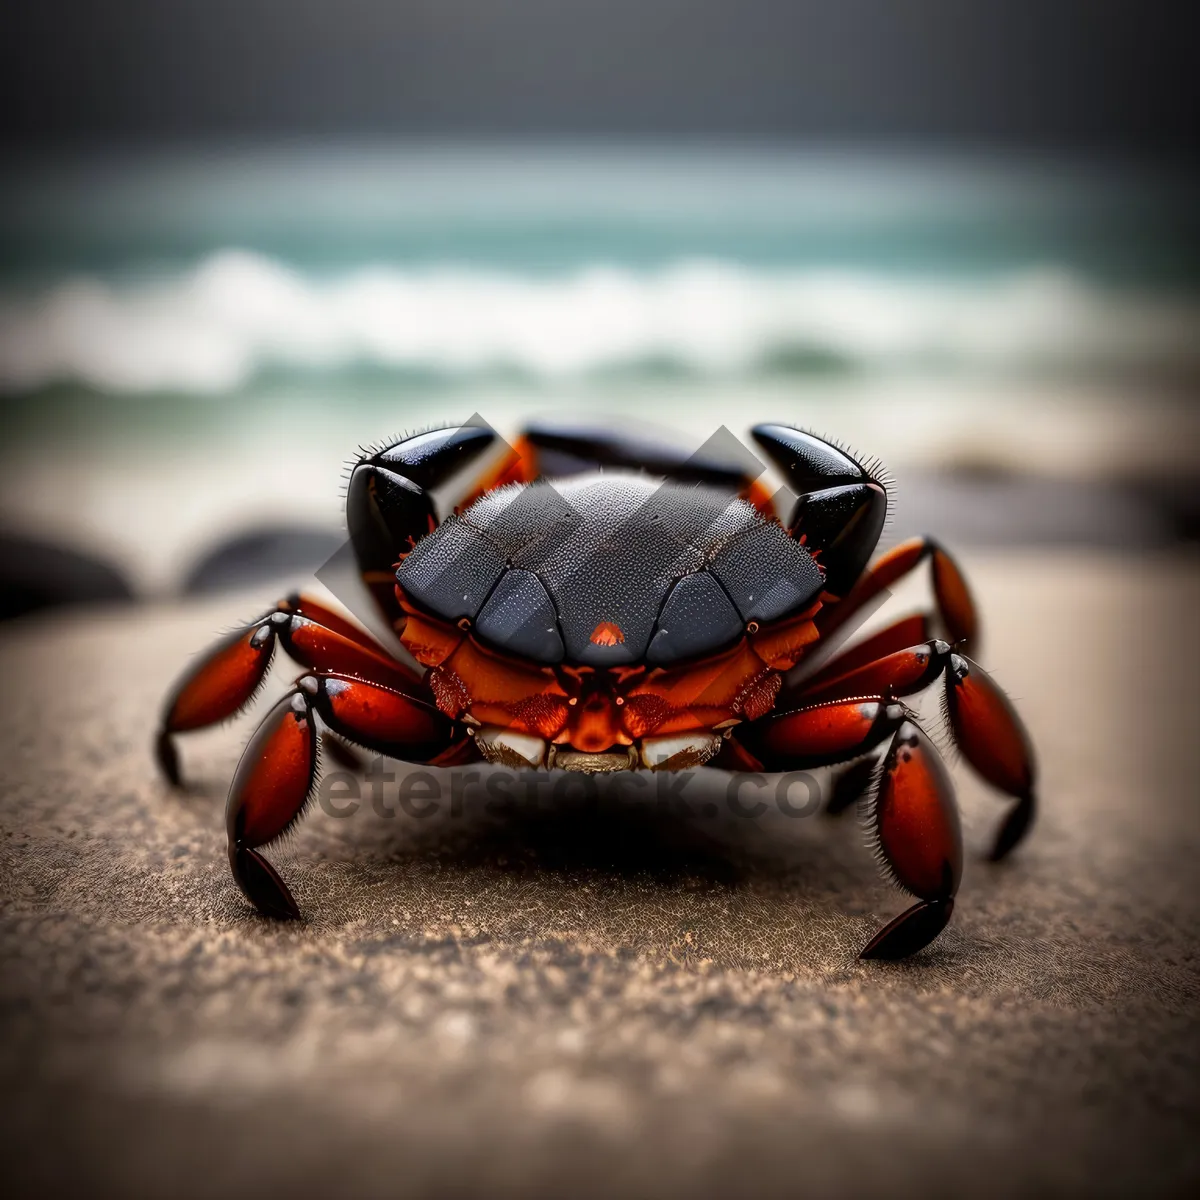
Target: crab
599	604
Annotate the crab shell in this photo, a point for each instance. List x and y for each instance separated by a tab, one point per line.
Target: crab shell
607	621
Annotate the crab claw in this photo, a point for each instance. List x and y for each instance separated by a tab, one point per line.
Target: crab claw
388	499
840	508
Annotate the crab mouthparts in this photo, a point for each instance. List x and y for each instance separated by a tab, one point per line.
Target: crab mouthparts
523	751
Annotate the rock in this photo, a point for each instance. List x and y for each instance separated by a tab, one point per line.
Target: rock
37	574
263	554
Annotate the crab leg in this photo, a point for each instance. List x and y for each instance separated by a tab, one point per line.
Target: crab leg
224	680
851	783
275	776
271	786
994	741
914	818
907	631
900	673
918	839
983	723
818	735
954	602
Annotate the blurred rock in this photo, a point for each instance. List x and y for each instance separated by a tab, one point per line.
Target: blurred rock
979	507
36	574
257	555
1178	500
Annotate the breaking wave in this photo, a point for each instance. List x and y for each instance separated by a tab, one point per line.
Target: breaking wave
237	315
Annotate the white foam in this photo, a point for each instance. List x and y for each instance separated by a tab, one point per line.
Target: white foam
214	328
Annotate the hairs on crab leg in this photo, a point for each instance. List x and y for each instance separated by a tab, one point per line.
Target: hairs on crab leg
851	783
275	776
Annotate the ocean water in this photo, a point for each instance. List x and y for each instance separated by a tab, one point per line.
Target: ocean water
191	341
209	274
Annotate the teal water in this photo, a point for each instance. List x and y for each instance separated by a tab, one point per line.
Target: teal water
145	294
552	210
214	273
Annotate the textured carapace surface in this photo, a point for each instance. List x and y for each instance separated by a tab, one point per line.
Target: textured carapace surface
609	570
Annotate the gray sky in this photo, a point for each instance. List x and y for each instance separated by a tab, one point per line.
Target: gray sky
1092	75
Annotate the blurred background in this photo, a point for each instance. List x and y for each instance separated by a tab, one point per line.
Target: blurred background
238	240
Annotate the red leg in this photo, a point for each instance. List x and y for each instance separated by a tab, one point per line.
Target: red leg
983	722
954	602
224	681
270	788
914	821
914	817
275	776
907	631
994	741
840	678
898	673
816	735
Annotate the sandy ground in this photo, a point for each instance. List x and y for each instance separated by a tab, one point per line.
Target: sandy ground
605	999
